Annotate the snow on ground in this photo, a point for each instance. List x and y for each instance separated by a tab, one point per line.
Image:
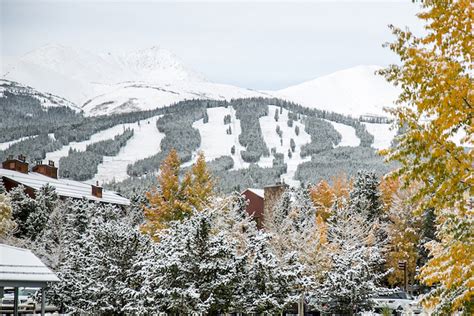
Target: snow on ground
268	126
354	91
5	145
133	96
382	133
215	142
81	146
349	137
144	143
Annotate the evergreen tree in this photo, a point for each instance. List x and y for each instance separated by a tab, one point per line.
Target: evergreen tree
365	195
353	278
292	145
427	234
197	270
297	130
271	284
2	186
99	271
22	206
45	202
293	229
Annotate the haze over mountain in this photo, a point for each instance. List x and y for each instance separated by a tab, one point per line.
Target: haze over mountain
150	78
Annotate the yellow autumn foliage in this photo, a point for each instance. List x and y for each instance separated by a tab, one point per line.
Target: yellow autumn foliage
435	114
176	200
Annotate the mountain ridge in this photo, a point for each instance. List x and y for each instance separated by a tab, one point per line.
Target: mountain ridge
107	83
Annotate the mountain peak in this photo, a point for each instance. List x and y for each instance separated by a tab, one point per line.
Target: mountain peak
354	91
78	74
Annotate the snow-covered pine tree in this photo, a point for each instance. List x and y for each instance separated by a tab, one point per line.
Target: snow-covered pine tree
99	273
2	186
22	207
198	269
68	222
293	229
356	256
45	202
271	284
365	195
231	216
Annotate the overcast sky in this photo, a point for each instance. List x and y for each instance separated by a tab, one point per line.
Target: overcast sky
260	45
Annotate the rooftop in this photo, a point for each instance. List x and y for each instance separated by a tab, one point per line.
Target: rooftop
259	192
20	267
64	187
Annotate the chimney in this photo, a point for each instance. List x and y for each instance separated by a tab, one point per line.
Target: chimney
48	170
272	195
19	164
97	190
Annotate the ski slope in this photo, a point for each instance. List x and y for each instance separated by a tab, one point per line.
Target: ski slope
383	134
215	142
81	146
349	137
144	143
268	126
5	145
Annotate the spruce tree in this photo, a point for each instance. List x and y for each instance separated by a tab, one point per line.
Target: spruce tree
2	186
365	196
45	202
198	269
353	278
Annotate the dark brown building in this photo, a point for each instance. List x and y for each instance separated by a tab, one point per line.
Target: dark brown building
262	201
255	198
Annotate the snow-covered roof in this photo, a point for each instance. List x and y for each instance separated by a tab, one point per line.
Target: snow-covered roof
259	192
64	187
21	265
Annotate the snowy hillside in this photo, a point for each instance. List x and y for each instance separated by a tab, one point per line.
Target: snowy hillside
135	96
79	75
354	91
116	83
46	100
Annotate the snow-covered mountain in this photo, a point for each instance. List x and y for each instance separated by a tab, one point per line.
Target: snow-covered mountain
116	83
355	91
46	99
136	96
150	78
79	75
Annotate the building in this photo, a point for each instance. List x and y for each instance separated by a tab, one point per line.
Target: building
255	200
263	201
15	172
21	268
